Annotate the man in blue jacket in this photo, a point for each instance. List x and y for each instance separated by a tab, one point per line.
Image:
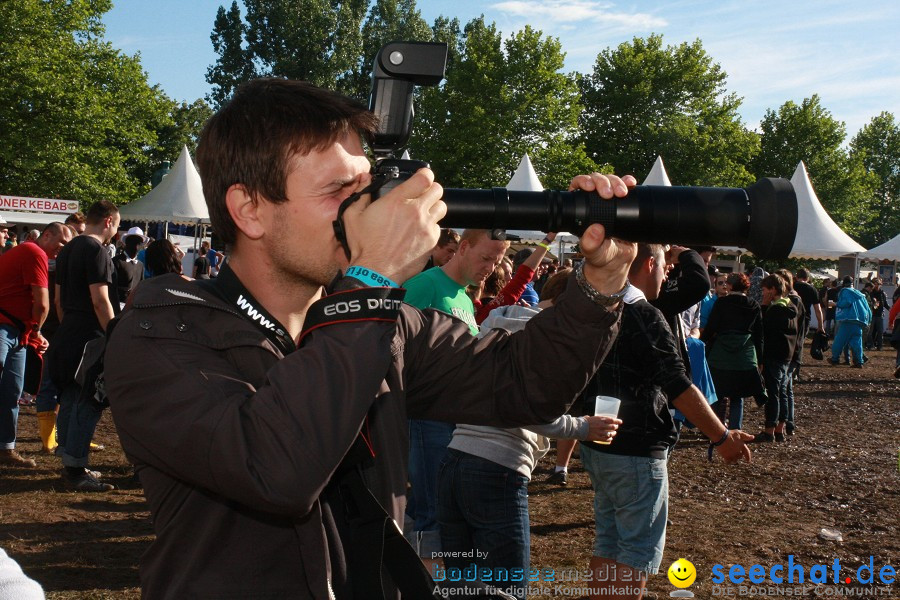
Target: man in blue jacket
852	316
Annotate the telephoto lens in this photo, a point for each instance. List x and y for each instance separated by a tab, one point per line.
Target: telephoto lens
761	218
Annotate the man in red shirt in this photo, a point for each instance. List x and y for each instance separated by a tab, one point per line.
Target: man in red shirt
24	304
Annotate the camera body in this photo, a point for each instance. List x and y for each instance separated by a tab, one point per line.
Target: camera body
761	218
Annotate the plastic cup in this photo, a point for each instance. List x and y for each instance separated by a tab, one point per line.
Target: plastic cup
606	406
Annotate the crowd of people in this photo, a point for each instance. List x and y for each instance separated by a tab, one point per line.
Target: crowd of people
56	295
282	393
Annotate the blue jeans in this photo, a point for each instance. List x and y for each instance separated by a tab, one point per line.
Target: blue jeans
775	374
48	396
483	511
12	377
793	368
735	411
849	334
631	505
75	426
428	442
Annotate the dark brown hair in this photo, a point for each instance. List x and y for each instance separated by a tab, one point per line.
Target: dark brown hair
161	258
76	218
494	283
645	251
774	282
448	236
252	139
738	282
100	210
556	285
788	278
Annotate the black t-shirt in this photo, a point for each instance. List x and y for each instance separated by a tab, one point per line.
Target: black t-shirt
201	267
809	296
831	296
128	274
81	263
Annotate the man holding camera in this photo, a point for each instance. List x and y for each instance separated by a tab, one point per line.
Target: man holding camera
267	421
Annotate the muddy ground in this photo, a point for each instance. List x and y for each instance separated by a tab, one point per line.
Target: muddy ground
840	471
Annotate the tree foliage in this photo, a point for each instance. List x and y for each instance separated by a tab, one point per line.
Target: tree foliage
315	40
643	100
81	120
235	64
807	132
500	101
877	146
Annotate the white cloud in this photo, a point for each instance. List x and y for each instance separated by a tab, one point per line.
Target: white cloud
555	12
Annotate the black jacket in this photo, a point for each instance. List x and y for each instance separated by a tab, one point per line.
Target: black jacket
735	313
644	370
780	328
235	441
686	285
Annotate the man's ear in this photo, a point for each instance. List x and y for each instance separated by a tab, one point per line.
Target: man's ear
244	209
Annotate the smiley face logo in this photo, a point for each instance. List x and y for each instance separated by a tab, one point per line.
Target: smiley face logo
682	573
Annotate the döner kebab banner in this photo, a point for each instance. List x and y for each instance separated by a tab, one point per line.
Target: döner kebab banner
47	205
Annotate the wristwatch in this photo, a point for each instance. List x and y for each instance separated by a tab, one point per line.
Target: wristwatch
595	296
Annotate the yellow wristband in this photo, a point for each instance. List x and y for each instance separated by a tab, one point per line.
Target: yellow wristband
544	246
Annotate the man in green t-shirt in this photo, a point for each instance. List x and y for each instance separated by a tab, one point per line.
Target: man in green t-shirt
443	289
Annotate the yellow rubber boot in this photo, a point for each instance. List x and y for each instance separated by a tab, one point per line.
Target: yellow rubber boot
47	425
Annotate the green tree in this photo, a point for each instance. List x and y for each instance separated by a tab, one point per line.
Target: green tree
499	102
315	40
182	129
388	21
643	100
81	120
809	133
235	64
877	146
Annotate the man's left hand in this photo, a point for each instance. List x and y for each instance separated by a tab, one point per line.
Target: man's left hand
735	447
607	260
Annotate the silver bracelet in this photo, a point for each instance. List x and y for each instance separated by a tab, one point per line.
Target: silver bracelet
595	296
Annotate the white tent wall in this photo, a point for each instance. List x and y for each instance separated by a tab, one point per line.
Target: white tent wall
525	179
177	199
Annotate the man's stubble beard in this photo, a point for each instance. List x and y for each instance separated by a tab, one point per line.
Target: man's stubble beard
295	269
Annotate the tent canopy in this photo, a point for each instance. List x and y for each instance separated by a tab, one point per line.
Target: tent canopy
177	199
525	179
890	250
818	236
658	175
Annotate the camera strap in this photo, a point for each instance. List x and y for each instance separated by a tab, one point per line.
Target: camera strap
340	232
228	287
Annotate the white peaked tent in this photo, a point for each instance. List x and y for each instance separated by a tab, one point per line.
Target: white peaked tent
657	175
525	179
177	199
817	235
890	250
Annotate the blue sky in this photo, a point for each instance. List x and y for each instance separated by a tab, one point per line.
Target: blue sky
771	51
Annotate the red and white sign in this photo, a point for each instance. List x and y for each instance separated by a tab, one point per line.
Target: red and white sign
47	205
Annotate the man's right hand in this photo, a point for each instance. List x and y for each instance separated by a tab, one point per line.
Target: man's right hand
602	428
396	234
